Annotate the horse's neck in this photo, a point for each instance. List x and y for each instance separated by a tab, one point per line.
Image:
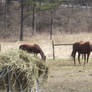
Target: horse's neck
42	54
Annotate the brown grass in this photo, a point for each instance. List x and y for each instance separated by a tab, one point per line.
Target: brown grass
64	77
46	44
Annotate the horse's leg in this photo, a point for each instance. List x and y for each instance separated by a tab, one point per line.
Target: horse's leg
74	58
84	59
79	58
82	56
88	57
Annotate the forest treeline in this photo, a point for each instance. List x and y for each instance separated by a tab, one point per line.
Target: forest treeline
34	16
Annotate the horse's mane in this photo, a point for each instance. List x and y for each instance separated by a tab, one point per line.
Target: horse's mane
81	42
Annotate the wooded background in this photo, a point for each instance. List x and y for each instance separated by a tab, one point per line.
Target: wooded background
25	18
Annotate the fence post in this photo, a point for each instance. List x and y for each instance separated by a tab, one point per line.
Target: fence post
51	25
9	84
19	83
0	47
53	50
37	86
21	25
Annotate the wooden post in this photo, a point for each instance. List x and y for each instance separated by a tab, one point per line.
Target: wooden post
9	83
21	26
0	47
5	15
51	25
19	83
37	86
53	50
34	20
30	90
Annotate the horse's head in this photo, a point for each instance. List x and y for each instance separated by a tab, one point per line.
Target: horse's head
44	58
42	55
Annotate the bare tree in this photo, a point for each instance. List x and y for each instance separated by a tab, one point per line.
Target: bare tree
21	26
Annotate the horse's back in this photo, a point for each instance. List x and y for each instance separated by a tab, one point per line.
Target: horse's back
30	48
84	47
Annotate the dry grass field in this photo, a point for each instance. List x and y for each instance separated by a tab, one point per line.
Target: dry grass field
46	44
63	76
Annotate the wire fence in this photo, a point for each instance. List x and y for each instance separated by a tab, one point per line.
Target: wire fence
64	50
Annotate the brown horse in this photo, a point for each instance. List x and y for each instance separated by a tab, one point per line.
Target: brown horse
83	48
35	49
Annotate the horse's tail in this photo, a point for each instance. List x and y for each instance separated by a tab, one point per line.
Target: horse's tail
74	49
73	53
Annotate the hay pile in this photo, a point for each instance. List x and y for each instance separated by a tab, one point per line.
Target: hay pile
22	68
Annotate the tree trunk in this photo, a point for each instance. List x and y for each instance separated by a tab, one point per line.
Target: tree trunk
21	25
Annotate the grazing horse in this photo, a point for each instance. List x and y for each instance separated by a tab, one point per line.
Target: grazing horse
83	48
33	49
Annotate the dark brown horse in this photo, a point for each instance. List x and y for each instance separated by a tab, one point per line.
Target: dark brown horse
35	49
83	48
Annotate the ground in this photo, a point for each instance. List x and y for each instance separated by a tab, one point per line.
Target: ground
64	77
